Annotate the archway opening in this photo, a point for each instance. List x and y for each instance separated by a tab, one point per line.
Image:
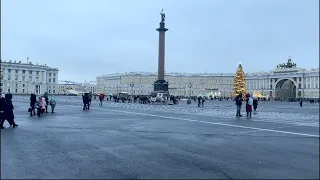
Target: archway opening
285	89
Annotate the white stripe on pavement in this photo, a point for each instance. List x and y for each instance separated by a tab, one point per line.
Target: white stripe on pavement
207	122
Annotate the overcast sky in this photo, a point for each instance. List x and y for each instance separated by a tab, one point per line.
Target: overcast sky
88	38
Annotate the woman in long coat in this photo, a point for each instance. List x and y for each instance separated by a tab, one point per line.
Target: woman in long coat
248	105
33	100
8	110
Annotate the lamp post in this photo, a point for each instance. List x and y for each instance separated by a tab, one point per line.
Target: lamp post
190	86
303	84
131	85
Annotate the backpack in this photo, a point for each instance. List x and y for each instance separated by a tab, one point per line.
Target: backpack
250	101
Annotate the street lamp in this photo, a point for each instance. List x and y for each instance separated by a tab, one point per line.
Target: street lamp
131	85
190	86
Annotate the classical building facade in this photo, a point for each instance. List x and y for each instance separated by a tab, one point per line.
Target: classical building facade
25	78
179	83
286	81
67	87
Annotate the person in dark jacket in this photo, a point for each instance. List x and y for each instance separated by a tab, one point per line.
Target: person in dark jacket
90	98
239	104
255	103
300	102
249	103
8	111
33	100
85	99
199	101
46	98
2	104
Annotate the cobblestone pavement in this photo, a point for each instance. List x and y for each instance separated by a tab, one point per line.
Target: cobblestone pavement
275	112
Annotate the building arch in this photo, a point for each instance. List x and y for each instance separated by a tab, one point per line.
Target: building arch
285	88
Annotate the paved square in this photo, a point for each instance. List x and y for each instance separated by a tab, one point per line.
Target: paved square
123	140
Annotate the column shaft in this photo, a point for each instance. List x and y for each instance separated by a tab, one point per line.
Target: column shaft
161	55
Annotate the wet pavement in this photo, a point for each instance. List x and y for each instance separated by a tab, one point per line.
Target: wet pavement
124	140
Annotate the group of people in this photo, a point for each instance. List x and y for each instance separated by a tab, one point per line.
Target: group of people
86	99
6	110
42	104
250	102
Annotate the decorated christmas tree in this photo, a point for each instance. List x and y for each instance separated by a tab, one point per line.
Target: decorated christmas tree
239	84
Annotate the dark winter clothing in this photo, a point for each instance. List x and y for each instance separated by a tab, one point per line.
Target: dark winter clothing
239	104
248	106
85	99
33	100
255	104
8	110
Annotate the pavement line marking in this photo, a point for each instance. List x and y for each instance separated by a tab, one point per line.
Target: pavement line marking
207	122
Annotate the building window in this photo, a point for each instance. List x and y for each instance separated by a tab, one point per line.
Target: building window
23	71
30	72
17	71
22	90
16	90
49	74
9	70
49	91
23	78
16	85
37	78
9	90
54	87
54	80
16	78
54	91
9	78
37	73
23	85
54	74
49	80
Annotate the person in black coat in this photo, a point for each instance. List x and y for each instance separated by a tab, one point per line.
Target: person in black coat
8	111
239	104
33	100
85	99
46	98
255	104
2	104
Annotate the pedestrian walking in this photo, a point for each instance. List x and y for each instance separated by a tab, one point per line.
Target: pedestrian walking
199	100
300	102
101	97
202	102
8	111
52	103
255	103
85	99
46	99
2	104
238	100
90	98
249	103
33	100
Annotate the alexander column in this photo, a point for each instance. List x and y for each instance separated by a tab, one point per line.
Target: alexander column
161	85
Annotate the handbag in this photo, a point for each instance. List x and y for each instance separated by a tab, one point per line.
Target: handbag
30	109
